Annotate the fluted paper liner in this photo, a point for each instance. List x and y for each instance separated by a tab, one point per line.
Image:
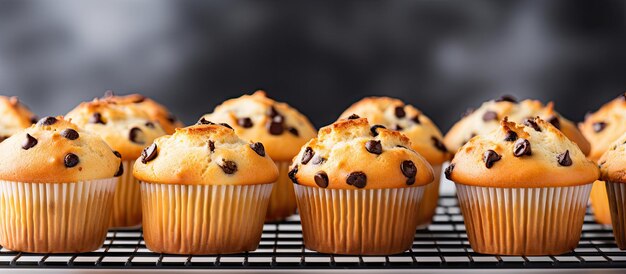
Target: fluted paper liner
127	200
358	221
283	199
616	193
55	217
203	219
523	221
600	203
429	200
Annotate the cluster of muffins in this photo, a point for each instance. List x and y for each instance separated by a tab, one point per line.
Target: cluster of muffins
362	185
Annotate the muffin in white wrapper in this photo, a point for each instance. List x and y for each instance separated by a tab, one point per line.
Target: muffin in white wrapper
613	171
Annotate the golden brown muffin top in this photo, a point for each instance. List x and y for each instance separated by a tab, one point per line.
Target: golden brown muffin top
205	155
613	162
124	127
533	154
14	116
604	126
57	151
258	118
156	111
487	117
353	154
392	113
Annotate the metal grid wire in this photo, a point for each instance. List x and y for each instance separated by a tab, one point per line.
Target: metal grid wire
442	245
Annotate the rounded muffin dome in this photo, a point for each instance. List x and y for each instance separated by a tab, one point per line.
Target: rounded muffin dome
353	154
57	151
487	117
205	155
604	126
280	127
613	162
533	154
392	113
14	116
155	111
126	128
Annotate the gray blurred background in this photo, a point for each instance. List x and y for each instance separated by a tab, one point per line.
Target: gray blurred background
319	56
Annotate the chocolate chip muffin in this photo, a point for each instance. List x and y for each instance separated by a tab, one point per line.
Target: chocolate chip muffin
425	138
359	189
14	116
281	128
613	172
155	111
602	128
128	129
61	179
532	172
487	117
204	191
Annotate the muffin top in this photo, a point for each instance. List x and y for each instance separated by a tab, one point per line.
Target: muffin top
392	113
205	155
126	128
353	154
613	162
533	154
155	111
57	151
14	116
604	126
255	117
486	118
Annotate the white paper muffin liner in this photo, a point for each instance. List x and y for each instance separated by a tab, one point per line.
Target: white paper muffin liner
282	202
55	217
358	221
127	200
523	221
203	219
429	200
617	205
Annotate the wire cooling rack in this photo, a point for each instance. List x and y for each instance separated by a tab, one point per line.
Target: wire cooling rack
442	245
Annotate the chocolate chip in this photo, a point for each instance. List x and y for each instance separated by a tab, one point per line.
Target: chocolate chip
2	138
357	179
623	96
34	119
275	128
507	98
71	160
96	118
439	144
599	126
467	112
204	121
521	148
294	131
374	128
416	119
410	181
69	134
272	112
398	128
211	146
149	124
399	112
148	154
292	174
120	171
448	171
29	142
258	148
555	122
139	99
510	136
321	179
374	147
226	125
47	121
490	116
245	122
307	155
564	159
117	154
136	136
229	167
490	157
408	168
171	118
353	116
318	160
531	123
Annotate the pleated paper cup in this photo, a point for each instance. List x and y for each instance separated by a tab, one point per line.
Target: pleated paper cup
282	202
55	217
127	200
616	193
523	221
600	203
358	221
430	199
203	219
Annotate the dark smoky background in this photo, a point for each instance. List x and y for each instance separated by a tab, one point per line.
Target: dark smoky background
319	56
